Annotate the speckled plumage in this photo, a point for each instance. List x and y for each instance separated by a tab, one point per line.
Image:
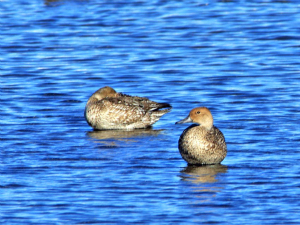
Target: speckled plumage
107	109
202	143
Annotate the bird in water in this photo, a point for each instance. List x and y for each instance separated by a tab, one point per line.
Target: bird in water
202	142
108	109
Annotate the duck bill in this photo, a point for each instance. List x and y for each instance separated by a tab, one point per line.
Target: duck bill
185	120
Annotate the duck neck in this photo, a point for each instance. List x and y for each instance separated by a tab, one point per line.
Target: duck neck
208	123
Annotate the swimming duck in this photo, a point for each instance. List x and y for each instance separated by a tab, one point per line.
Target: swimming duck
107	109
201	143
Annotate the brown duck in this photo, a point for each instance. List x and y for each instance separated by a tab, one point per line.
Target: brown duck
107	109
201	143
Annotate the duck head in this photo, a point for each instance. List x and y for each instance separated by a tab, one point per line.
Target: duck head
105	92
199	115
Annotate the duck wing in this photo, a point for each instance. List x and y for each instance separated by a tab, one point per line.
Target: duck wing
144	103
118	110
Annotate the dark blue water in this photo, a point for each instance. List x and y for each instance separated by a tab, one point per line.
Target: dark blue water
238	58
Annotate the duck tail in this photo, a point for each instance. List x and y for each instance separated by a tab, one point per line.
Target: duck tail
164	105
159	106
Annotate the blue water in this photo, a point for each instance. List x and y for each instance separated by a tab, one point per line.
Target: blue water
238	58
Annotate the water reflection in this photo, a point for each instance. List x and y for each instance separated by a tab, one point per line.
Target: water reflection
203	174
204	179
52	2
109	137
123	134
58	2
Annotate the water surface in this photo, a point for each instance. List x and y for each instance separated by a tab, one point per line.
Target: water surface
238	58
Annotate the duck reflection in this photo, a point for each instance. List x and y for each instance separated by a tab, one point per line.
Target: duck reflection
51	2
203	174
122	134
204	179
57	2
108	137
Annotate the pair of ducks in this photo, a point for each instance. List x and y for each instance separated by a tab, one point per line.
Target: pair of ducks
199	144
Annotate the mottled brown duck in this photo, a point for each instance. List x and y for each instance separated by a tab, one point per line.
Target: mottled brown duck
107	109
202	142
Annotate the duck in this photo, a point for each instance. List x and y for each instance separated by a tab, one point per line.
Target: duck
107	109
201	143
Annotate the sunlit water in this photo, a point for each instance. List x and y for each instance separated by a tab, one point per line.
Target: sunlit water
238	58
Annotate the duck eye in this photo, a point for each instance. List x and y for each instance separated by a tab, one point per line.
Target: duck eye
198	112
